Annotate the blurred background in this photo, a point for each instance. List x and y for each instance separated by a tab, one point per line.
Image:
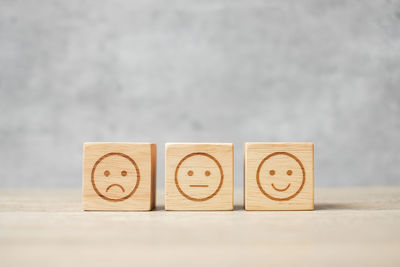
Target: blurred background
235	71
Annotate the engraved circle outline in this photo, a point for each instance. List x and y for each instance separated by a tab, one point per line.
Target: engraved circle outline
291	156
109	155
205	155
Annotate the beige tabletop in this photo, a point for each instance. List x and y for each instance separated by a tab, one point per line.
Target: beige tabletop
351	226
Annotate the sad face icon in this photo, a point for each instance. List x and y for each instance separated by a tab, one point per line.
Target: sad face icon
115	177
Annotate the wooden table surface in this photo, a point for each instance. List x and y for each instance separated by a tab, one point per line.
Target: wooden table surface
351	226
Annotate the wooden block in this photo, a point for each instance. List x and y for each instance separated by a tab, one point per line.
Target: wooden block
279	176
199	176
119	176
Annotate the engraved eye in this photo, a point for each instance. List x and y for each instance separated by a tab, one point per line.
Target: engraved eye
190	173
207	173
106	173
272	172
124	173
289	172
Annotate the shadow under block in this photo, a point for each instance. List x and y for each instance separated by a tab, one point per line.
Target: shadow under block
199	176
279	176
119	176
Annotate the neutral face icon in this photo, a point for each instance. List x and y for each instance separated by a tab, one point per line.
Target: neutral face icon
199	176
280	176
115	177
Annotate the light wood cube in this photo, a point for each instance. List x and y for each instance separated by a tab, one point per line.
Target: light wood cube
199	176
119	176
279	176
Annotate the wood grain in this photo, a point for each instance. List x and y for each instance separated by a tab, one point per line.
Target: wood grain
349	227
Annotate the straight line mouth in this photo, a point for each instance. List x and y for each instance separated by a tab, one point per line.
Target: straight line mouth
280	190
117	185
198	185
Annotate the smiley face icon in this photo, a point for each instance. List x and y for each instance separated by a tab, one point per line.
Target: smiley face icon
281	176
115	177
199	176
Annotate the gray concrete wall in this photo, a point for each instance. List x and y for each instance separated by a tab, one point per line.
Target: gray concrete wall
201	71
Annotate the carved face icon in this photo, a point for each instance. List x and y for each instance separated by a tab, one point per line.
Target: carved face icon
280	176
199	176
115	177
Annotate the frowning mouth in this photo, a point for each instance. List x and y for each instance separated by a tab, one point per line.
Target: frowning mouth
198	185
117	185
280	190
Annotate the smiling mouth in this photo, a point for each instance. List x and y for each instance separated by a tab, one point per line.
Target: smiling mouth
198	185
280	190
117	185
